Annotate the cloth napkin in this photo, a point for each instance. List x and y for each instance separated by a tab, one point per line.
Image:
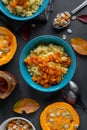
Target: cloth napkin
16	25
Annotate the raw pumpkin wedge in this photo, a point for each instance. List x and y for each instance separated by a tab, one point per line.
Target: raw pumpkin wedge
8	45
59	116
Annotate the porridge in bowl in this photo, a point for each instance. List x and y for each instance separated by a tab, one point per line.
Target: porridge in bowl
48	64
22	7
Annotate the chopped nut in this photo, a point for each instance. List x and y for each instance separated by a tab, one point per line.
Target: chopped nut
64	36
62	15
52	114
69	31
73	17
68	14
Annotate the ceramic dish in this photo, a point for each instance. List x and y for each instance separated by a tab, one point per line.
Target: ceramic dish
5	123
19	18
47	39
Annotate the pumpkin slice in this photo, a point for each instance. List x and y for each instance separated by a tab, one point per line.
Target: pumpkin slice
26	104
8	45
79	45
59	116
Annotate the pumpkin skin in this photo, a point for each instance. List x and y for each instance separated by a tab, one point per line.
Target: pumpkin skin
59	116
8	83
7	40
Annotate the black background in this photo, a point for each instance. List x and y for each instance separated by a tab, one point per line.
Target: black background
22	90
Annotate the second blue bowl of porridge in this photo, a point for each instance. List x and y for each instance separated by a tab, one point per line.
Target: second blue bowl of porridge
23	9
47	63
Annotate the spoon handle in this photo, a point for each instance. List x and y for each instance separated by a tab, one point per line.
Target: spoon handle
79	7
82	105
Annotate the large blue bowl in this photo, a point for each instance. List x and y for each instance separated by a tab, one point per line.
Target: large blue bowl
47	39
20	18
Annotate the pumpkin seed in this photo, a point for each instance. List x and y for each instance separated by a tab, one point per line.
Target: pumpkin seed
73	17
52	114
76	126
51	119
1	52
64	36
66	126
58	113
69	31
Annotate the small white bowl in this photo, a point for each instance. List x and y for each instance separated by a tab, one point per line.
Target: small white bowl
4	124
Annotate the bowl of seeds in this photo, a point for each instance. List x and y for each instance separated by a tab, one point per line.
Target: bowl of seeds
17	123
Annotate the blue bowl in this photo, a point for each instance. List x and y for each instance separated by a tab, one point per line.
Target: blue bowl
47	39
20	18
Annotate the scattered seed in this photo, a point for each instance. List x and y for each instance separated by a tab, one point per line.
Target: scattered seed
69	31
33	25
64	36
73	17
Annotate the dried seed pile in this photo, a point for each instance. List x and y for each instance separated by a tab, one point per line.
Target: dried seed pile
18	124
62	19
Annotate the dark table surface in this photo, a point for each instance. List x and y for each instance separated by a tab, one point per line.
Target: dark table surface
22	90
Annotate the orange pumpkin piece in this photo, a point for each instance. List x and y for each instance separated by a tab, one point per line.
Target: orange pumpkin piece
59	116
8	45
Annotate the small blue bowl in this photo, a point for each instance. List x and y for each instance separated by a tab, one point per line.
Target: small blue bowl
20	18
46	39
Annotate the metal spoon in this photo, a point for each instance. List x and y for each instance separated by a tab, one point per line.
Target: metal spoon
72	95
63	19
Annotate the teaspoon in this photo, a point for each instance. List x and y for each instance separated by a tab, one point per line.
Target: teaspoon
72	95
63	19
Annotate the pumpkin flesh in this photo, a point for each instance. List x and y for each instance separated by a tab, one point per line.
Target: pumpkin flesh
8	45
59	116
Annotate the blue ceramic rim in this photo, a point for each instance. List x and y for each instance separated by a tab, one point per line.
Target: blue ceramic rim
68	76
15	17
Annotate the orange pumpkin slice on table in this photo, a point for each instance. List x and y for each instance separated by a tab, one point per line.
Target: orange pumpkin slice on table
59	116
8	45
